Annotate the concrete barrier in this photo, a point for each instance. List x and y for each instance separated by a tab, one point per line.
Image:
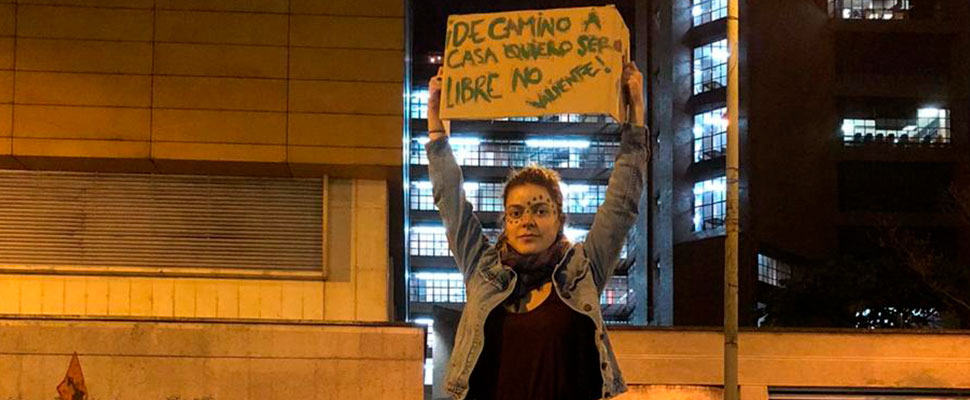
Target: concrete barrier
213	359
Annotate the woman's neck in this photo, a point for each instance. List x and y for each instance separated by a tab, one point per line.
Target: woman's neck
531	300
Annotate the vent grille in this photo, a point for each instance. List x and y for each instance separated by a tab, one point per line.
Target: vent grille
160	221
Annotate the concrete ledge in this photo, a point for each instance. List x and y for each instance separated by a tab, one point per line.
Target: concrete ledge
788	358
218	359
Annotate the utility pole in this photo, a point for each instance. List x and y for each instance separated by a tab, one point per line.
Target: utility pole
732	221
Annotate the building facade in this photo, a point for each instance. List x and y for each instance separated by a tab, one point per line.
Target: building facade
194	179
853	113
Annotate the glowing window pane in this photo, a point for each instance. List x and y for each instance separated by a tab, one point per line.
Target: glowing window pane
710	66
709	204
710	134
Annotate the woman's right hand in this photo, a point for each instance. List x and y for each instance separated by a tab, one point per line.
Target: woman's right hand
436	128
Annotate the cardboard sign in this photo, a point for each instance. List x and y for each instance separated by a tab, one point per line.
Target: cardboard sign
532	63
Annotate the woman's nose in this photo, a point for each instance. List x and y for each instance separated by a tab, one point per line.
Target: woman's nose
528	219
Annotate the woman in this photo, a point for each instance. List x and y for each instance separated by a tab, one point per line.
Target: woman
532	326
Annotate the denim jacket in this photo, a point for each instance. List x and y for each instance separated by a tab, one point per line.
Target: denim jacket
578	279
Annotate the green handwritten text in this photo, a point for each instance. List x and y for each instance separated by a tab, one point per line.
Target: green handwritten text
556	89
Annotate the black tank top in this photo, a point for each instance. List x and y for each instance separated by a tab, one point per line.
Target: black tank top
547	353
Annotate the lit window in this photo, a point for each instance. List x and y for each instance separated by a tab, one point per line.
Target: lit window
931	127
710	66
705	11
429	323
552	153
575	235
418	155
419	104
436	287
428	362
490	197
571	118
709	204
492	234
578	144
428	371
899	317
772	271
519	119
421	196
710	134
869	9
616	292
429	241
583	199
487	197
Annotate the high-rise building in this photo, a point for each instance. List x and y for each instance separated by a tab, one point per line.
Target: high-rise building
852	113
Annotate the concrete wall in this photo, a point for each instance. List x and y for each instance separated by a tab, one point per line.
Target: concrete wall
284	86
164	358
214	360
652	360
356	288
675	392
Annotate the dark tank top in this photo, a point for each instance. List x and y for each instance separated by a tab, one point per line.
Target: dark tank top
547	353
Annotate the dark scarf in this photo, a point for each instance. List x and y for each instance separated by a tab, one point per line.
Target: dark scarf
533	270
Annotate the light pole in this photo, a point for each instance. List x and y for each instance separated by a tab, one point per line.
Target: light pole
732	220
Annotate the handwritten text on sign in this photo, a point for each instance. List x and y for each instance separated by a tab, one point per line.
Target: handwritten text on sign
530	63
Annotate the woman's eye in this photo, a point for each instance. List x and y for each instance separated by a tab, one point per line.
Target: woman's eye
541	212
515	214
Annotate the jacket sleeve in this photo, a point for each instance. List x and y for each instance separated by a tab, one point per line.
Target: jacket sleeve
619	210
462	227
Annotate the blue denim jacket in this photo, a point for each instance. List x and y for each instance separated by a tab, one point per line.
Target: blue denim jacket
579	278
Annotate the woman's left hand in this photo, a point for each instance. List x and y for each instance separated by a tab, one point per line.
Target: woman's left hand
633	85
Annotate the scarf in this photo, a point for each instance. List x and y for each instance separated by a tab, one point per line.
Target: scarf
533	270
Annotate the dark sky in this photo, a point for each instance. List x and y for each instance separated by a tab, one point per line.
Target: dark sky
430	17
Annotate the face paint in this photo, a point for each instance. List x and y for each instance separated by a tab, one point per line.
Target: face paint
532	221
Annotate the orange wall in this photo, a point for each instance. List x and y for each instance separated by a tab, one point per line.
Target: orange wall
303	87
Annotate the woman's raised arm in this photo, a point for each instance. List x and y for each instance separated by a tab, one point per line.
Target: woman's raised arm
464	230
618	213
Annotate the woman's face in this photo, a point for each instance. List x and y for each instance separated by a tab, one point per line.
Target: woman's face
531	219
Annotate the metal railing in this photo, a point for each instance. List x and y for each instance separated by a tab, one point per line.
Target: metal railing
930	128
487	197
517	154
884	9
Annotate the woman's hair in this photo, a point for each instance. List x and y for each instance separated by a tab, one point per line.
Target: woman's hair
540	176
